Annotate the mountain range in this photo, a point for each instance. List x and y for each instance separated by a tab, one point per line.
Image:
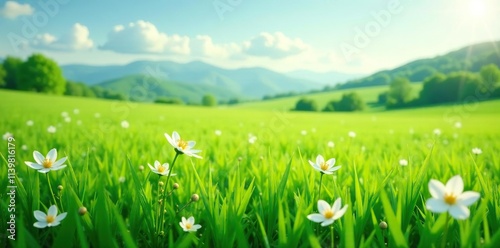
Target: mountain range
192	80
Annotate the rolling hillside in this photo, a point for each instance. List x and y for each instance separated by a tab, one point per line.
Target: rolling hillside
251	83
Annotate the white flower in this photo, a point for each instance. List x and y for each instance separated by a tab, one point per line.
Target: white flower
160	169
181	146
78	122
451	198
47	163
24	147
303	132
218	132
352	134
49	219
324	167
330	144
64	114
125	124
76	111
252	139
458	124
121	179
97	115
437	132
403	162
188	225
477	151
51	129
67	119
29	123
7	135
327	215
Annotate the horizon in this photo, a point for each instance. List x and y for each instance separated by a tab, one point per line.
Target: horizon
331	36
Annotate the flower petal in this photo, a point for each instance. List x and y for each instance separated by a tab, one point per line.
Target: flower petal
459	212
336	205
58	167
333	169
330	162
52	210
44	170
191	143
40	224
468	198
151	167
436	188
437	205
39	215
39	158
176	137
196	227
316	218
191	220
323	206
320	160
34	165
455	185
183	220
59	162
311	163
340	213
327	222
55	223
170	140
61	217
52	155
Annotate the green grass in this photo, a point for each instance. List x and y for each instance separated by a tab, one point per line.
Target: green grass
251	195
368	94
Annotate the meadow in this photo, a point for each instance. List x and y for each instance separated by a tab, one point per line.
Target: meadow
255	184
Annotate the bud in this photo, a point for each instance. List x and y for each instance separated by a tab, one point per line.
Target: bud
240	158
176	185
162	233
261	157
195	197
383	225
60	187
161	183
141	168
82	211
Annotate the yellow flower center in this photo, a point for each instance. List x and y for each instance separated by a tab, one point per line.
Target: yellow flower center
182	144
47	163
450	199
324	166
161	169
50	219
328	214
188	225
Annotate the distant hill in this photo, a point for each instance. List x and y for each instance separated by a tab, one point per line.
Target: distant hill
470	58
327	78
250	83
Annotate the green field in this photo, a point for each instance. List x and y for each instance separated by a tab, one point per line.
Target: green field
251	195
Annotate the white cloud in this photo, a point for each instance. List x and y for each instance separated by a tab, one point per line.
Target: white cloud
76	40
275	45
204	46
144	37
12	9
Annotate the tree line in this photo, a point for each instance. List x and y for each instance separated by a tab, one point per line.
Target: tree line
437	88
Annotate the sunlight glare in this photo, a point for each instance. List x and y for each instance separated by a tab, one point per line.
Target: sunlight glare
477	8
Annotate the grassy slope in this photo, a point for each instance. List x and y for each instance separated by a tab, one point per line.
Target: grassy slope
369	95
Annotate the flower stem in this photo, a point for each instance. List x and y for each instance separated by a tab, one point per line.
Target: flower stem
332	236
445	234
162	211
50	187
319	190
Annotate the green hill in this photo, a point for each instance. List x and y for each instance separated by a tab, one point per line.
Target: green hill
369	95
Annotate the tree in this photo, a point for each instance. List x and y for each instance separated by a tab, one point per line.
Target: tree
209	100
349	102
490	75
382	97
11	66
41	74
421	73
306	105
3	73
430	92
73	89
167	100
399	93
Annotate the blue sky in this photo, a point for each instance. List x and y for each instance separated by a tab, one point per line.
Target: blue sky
318	35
